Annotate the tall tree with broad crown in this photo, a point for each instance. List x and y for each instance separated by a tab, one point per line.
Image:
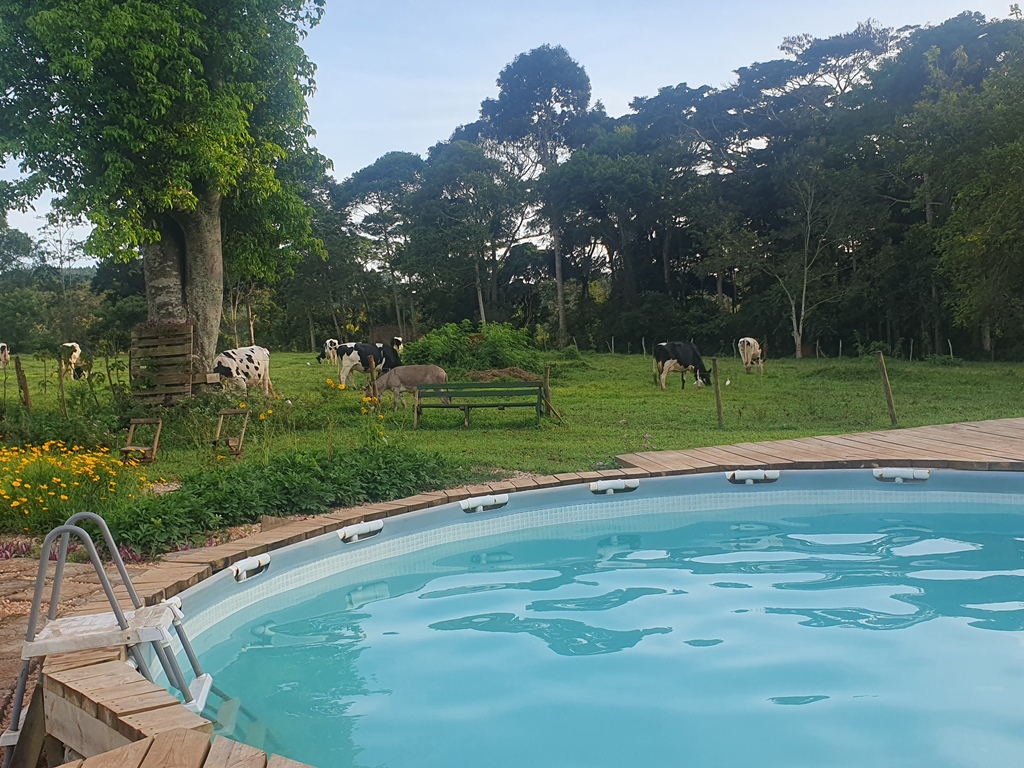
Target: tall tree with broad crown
159	120
543	95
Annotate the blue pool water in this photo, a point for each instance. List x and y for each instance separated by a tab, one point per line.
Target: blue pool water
753	628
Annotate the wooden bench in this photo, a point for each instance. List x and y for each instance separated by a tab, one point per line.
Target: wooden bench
146	453
492	394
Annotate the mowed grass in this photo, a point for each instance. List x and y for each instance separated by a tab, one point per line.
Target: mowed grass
609	406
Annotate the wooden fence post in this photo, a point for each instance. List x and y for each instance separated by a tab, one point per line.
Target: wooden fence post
888	389
718	391
373	383
22	384
547	390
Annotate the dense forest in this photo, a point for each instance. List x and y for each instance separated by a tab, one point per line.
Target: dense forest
860	192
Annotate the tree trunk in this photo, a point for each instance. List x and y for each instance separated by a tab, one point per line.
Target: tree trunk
479	292
798	333
312	331
163	267
720	289
563	326
252	322
334	320
184	274
492	281
986	337
664	258
398	303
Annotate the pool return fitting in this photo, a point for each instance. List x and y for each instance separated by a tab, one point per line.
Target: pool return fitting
901	474
145	624
614	486
752	476
359	531
484	503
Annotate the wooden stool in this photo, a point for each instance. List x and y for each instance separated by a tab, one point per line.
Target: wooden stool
234	444
147	453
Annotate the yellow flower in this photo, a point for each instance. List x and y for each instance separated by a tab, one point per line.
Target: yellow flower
263	416
241	405
341	386
364	410
270	410
63	497
15	503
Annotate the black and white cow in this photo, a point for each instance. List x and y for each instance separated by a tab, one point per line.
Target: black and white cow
357	358
69	359
679	356
330	352
5	355
244	367
751	354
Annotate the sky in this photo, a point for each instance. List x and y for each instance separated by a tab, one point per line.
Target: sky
401	75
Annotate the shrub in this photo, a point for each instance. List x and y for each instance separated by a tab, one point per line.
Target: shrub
289	483
464	348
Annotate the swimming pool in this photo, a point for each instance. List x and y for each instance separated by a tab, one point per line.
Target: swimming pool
825	618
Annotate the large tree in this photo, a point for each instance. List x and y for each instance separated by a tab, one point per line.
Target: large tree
543	96
159	120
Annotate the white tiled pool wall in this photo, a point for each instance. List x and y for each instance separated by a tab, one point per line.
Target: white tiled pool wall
299	569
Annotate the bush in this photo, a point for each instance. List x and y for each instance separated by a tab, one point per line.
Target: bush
460	348
954	362
290	483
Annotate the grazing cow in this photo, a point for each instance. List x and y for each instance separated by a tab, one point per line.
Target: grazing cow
681	356
750	354
330	352
69	360
5	355
407	378
357	358
243	367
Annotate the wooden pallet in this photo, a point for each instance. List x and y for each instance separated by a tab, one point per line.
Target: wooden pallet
160	363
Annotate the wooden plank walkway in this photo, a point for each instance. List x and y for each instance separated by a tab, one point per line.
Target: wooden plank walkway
182	748
993	445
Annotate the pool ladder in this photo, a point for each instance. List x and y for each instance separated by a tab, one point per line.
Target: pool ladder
145	624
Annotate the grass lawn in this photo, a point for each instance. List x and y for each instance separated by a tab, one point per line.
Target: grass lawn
609	406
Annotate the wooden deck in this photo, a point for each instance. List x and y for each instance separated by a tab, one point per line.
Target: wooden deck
992	445
183	748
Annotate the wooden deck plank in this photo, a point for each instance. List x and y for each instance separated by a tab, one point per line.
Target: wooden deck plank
226	753
786	452
130	756
276	761
179	748
750	457
962	438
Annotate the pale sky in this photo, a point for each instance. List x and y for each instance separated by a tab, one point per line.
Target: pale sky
403	74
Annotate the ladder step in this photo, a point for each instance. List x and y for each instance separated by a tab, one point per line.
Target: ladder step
80	633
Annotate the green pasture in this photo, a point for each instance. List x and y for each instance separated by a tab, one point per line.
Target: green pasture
609	405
